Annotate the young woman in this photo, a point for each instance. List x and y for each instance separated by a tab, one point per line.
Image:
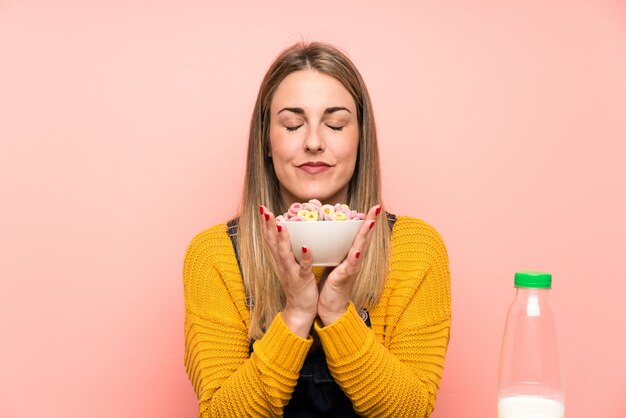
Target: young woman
268	336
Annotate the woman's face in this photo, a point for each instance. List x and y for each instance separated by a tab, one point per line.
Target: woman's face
314	136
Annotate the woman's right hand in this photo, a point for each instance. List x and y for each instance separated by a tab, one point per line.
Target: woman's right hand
297	280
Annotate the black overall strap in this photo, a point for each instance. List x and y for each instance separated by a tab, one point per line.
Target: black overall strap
232	227
391	218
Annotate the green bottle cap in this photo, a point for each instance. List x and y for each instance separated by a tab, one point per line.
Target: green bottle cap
533	279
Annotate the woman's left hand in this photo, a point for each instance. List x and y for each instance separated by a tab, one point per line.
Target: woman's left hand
335	289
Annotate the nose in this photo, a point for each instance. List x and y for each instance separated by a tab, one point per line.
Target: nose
314	141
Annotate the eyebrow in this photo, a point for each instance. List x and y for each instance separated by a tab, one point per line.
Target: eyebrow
300	111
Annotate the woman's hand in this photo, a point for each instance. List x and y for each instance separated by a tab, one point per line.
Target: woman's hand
335	289
297	280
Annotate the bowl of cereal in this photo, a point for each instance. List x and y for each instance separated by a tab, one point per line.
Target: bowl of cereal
328	231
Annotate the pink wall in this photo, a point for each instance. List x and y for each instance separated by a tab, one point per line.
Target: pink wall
122	131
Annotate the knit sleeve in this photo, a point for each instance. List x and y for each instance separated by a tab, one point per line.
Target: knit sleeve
398	375
227	381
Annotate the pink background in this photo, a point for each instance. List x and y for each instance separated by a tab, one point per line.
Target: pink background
123	128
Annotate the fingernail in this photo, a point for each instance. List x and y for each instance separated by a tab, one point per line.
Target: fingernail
378	211
372	224
304	249
267	217
280	228
261	209
358	254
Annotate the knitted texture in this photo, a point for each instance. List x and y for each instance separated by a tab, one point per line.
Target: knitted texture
391	369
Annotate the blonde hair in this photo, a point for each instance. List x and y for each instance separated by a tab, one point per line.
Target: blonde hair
261	186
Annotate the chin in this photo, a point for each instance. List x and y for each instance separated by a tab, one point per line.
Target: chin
324	193
322	197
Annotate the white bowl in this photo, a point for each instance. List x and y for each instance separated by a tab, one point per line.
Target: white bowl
328	241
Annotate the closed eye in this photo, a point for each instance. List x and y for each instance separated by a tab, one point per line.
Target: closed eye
335	128
292	128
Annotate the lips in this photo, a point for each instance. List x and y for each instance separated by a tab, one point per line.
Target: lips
314	167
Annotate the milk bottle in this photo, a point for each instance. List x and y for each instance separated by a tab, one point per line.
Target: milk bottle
529	379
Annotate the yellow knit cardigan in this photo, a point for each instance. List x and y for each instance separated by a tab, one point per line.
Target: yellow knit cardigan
391	369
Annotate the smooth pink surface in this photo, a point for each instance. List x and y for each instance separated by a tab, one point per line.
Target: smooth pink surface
122	134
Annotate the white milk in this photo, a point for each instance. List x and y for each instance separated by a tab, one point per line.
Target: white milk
529	407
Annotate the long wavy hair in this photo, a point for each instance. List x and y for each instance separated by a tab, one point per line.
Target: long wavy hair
261	186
